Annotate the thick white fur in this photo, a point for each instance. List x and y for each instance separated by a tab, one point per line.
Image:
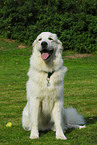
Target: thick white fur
44	109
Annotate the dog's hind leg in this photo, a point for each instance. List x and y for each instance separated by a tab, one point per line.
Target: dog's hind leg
25	118
76	126
73	119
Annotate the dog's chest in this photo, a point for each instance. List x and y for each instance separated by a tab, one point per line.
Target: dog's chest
47	105
46	84
47	80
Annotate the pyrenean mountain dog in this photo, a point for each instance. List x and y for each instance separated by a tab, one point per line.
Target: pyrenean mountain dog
44	109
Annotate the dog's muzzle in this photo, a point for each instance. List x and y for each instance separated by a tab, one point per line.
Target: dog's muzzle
44	44
45	52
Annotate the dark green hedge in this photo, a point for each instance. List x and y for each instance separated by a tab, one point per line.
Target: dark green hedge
74	21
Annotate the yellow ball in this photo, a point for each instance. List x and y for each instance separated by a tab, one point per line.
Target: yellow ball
9	124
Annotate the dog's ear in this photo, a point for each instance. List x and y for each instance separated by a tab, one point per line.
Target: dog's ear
34	43
33	46
60	47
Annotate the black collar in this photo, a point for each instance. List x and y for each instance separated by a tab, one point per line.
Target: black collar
50	73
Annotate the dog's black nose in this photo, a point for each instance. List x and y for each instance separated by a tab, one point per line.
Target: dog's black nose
44	44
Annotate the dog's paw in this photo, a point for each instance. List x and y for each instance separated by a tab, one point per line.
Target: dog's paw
84	126
61	136
34	135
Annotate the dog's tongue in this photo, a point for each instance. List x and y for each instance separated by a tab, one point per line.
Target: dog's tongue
44	55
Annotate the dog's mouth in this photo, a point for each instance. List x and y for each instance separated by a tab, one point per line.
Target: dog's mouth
46	54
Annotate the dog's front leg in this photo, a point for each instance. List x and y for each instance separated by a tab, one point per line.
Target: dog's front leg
57	116
34	109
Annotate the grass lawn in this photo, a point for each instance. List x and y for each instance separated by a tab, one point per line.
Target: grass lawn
80	92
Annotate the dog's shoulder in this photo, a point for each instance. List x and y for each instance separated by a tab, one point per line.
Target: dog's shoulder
61	71
58	75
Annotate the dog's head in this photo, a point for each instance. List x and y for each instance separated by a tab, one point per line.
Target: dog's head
47	44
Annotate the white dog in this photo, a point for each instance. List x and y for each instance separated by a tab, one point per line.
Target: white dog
44	109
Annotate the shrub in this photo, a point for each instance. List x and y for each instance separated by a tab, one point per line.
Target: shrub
74	21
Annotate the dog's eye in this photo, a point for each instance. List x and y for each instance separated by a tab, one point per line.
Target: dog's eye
50	38
40	39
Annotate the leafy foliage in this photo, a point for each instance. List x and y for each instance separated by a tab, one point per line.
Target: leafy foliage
74	21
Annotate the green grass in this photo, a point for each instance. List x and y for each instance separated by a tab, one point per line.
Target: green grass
80	91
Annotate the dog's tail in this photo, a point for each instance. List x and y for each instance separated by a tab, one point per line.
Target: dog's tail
73	119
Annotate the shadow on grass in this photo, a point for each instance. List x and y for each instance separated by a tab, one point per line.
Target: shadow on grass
41	133
89	120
